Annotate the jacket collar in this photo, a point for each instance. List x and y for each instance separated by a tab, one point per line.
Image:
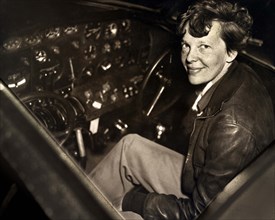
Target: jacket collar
222	90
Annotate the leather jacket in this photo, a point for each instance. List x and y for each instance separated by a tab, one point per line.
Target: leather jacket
236	124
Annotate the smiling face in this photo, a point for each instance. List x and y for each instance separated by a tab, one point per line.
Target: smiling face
204	58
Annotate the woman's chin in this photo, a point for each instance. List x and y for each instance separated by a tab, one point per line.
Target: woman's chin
195	80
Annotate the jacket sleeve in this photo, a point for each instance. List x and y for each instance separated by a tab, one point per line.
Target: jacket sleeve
230	148
154	206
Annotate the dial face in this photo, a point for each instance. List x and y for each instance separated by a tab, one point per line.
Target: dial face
92	31
12	43
33	39
106	48
111	31
18	79
117	45
41	56
70	30
53	33
90	52
126	25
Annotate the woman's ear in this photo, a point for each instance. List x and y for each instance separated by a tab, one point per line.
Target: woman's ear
231	56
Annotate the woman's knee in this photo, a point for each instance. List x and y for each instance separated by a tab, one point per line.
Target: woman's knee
130	137
134	144
129	141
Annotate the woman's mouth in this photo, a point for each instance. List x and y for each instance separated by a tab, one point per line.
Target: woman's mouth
194	70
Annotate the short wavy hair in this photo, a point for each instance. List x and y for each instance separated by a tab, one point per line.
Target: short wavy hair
235	20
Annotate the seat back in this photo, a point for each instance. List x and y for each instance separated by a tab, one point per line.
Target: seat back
250	195
265	71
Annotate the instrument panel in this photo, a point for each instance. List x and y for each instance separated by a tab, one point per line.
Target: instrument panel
101	63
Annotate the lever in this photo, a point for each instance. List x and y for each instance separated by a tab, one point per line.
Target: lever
81	147
163	83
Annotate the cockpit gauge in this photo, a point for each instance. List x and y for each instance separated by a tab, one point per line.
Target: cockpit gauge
33	39
71	30
18	79
126	25
117	44
106	48
51	72
55	49
12	44
105	65
127	42
119	61
89	71
111	31
75	44
41	56
92	31
53	33
90	52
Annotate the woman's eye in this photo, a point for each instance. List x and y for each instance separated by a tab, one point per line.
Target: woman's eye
204	46
184	46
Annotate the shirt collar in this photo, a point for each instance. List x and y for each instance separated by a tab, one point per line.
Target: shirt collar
208	96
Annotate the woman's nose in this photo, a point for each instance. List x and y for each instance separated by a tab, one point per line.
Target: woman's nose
192	55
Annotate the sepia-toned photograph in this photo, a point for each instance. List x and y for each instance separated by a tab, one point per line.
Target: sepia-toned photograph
137	109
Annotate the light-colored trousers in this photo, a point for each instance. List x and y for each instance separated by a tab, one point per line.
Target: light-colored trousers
135	160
